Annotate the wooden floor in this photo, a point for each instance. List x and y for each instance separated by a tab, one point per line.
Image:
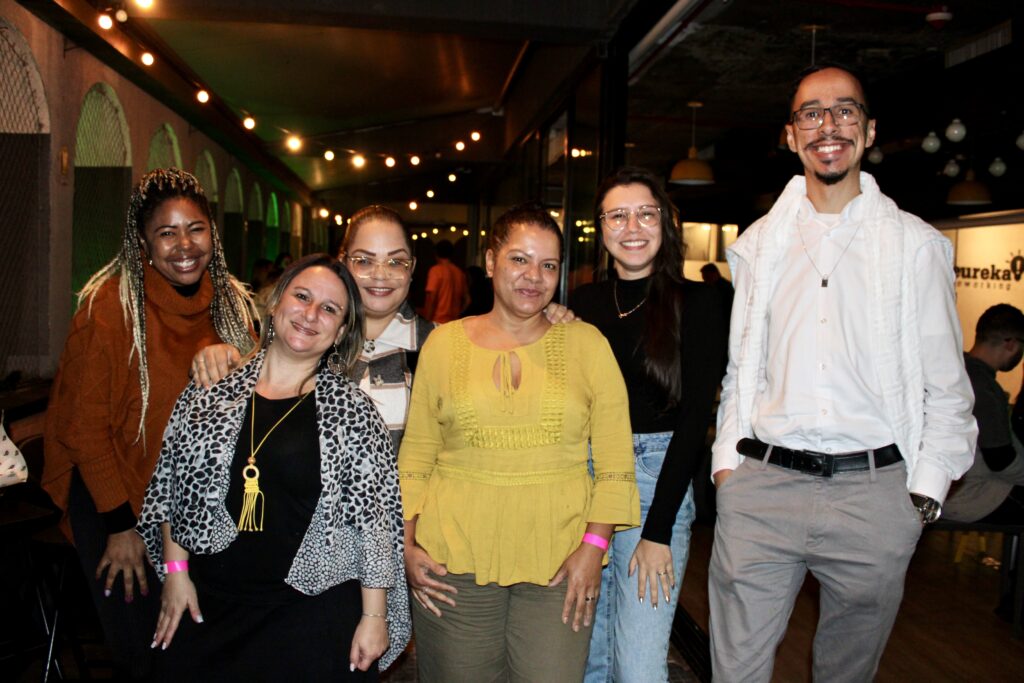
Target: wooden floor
946	630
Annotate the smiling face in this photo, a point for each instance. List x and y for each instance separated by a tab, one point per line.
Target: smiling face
524	270
830	153
310	316
635	247
177	239
382	292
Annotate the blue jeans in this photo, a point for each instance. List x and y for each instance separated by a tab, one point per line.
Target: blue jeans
630	639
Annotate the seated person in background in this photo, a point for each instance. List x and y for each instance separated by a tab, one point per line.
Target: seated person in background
992	491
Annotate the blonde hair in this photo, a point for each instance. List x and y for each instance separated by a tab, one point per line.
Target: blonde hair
231	308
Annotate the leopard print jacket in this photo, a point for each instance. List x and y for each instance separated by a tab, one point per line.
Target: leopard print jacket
356	529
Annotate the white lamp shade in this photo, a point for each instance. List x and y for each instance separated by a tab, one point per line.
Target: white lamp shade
931	143
956	131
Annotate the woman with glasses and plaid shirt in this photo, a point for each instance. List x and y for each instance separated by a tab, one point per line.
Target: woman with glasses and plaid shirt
669	337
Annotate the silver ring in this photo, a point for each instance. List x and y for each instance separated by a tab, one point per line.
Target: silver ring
589	598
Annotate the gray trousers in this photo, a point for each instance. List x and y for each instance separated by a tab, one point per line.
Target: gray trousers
855	532
499	634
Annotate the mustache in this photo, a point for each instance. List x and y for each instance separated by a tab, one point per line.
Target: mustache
828	138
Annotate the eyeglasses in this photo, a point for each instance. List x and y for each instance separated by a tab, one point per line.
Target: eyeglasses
395	268
843	114
646	216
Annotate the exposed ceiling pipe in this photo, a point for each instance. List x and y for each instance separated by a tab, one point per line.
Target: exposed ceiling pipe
649	48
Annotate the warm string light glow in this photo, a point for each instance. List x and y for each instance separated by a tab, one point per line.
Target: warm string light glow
414	160
202	96
147	58
415	237
249	122
413	206
144	4
390	162
121	15
105	22
359	161
475	136
460	145
451	178
294	143
337	219
430	194
324	213
329	155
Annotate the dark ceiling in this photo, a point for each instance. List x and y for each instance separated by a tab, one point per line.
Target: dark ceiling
406	77
739	58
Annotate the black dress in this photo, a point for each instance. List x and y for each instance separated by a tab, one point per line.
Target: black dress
255	626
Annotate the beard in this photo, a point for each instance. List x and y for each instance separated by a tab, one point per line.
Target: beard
831	178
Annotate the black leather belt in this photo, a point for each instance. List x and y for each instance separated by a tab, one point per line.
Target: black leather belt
818	464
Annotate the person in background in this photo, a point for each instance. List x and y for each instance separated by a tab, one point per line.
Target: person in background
669	338
140	321
447	289
992	491
505	526
845	393
273	514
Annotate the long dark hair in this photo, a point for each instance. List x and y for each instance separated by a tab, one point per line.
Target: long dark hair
664	315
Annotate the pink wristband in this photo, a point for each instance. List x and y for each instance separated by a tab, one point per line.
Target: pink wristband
176	566
595	540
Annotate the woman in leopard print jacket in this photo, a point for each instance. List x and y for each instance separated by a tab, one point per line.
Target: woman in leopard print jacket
302	574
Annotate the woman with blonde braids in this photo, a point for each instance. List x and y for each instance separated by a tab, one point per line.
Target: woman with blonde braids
140	321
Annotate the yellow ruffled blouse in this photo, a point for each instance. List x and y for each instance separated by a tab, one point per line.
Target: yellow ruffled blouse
498	474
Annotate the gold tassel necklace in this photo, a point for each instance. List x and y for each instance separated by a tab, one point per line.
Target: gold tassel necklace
252	496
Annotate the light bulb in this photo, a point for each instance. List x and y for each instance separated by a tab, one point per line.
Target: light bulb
121	15
956	131
460	145
931	143
324	213
451	178
465	233
414	160
952	168
413	206
147	58
430	194
475	136
249	122
876	155
106	23
997	167
423	234
329	155
294	143
144	4
415	237
359	161
390	162
435	231
202	96
337	219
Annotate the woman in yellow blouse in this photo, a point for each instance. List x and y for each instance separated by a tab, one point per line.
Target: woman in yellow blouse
506	528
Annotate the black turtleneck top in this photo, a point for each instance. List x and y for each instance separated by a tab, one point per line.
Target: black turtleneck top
704	340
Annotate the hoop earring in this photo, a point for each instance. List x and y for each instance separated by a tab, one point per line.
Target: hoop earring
335	363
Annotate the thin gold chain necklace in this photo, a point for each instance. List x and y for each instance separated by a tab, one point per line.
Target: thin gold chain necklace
618	309
252	496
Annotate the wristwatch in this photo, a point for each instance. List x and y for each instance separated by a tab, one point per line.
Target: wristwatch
928	509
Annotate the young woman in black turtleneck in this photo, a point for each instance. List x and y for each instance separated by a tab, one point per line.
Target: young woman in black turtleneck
669	336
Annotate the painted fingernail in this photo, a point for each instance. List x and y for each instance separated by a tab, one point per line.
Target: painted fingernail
199	619
164	646
351	667
641	599
152	645
106	592
655	607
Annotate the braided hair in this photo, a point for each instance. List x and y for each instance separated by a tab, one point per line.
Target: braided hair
231	307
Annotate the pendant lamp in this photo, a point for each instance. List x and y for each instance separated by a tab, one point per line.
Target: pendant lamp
969	192
691	170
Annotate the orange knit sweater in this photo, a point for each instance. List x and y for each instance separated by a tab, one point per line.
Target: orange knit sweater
92	421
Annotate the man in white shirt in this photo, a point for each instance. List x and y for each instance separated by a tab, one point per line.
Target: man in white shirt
846	410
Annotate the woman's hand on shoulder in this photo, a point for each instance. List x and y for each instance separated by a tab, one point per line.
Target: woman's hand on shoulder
369	642
213	363
557	313
425	589
652	564
179	594
582	571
